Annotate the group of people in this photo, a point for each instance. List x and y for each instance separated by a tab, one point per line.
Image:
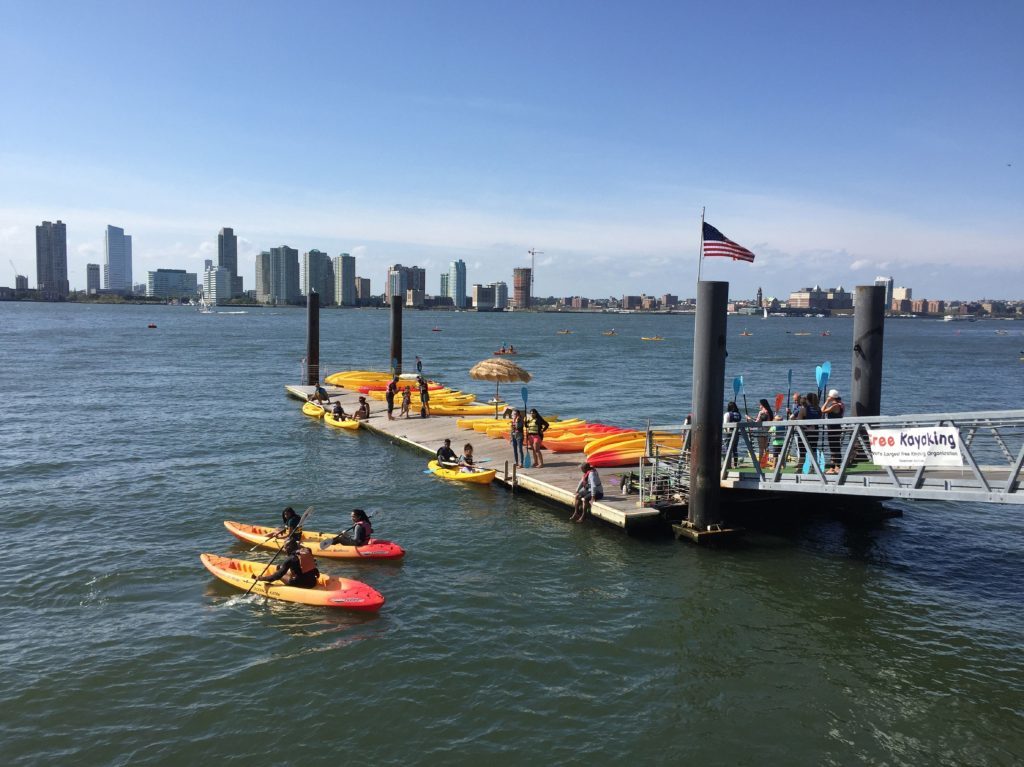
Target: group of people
526	432
447	459
803	407
391	393
299	567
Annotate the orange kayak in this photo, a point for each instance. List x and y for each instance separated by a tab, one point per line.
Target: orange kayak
329	591
262	536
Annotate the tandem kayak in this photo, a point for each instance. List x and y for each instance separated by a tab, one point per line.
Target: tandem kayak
341	423
329	591
480	476
261	535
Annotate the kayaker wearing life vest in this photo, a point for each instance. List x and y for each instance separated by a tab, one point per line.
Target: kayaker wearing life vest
466	462
298	569
361	528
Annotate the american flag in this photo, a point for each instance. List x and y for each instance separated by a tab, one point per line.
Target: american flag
717	244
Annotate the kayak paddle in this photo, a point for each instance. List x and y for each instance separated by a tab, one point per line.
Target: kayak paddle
789	392
328	542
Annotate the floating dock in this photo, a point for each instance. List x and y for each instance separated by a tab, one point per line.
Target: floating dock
556	481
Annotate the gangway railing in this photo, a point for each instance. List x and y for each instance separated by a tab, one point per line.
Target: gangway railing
837	456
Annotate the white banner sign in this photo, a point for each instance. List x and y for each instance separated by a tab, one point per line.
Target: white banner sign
929	446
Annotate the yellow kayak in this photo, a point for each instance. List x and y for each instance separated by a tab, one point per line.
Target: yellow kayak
341	423
480	476
313	410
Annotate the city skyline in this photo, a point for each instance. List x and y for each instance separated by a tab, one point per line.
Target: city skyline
899	157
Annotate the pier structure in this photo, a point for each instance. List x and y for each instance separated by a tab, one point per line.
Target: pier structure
396	335
313	338
556	481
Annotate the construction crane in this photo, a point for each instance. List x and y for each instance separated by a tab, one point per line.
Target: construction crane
533	269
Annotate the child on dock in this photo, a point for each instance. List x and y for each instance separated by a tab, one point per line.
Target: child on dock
406	401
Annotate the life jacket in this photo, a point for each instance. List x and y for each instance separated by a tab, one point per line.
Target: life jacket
734	416
306	562
813	413
836	413
367	531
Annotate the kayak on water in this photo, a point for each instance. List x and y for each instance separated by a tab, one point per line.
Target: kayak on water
481	476
313	410
329	591
261	535
341	423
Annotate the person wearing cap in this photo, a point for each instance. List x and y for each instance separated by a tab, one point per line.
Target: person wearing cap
588	490
363	411
834	408
361	529
298	569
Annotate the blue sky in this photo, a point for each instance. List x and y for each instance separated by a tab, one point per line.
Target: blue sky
837	143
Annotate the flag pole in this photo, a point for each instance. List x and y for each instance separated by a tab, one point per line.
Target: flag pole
700	253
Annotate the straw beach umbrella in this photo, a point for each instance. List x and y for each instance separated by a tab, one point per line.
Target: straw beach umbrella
500	371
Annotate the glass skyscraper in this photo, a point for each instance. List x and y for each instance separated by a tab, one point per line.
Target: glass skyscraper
457	283
117	271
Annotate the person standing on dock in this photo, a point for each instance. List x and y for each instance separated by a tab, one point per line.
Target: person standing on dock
535	428
834	408
517	434
389	397
424	397
588	490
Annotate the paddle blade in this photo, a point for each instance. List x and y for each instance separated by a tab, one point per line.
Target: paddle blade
527	463
807	464
737	384
523	392
779	398
791	378
817	375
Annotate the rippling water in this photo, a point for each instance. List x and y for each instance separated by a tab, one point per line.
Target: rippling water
508	633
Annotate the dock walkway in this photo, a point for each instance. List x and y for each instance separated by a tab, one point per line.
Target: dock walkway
556	481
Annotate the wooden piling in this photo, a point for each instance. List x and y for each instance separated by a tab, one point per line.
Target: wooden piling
312	338
396	334
866	370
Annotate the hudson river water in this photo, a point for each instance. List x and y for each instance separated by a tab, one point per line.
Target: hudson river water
509	634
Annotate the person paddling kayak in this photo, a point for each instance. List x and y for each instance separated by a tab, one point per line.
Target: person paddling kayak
298	569
290	521
361	529
446	456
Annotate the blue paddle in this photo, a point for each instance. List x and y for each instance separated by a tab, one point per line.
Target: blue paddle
527	463
789	393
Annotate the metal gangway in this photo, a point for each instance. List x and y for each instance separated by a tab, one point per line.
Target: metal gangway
799	456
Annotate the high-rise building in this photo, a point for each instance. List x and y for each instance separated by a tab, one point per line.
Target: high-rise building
886	282
398	282
318	275
20	283
457	283
760	299
171	283
417	279
216	285
521	298
902	294
445	282
262	277
363	295
52	260
500	295
92	279
277	276
483	297
345	280
227	258
117	271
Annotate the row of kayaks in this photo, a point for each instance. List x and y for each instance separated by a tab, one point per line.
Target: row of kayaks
442	400
604	445
329	591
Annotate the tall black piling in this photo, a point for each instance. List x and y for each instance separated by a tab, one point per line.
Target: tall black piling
709	354
312	338
866	371
396	334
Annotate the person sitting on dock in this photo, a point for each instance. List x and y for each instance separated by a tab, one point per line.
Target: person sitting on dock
466	462
363	411
361	529
588	490
298	569
446	456
338	411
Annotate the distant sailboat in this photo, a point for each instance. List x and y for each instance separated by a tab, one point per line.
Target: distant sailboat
765	313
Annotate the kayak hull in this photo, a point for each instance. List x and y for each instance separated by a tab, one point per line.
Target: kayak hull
313	410
260	535
341	423
330	591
